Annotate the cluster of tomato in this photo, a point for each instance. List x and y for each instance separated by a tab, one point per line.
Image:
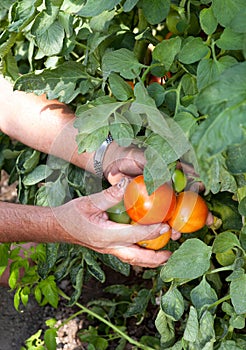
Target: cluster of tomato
184	211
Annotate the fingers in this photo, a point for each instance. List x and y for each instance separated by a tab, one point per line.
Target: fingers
111	196
210	219
175	235
137	256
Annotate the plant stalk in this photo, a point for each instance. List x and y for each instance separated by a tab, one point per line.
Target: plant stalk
108	323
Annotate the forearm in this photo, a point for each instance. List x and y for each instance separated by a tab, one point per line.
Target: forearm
45	125
27	223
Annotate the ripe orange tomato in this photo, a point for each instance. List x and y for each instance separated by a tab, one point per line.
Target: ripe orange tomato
149	209
190	214
156	243
131	83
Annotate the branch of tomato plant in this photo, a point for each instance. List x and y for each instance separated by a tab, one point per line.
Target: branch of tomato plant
84	309
140	47
148	69
219	301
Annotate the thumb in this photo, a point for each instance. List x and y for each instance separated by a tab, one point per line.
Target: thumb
111	196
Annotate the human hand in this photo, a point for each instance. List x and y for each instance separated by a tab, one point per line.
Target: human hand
123	162
86	221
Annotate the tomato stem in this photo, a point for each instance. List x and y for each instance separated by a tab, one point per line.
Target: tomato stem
108	323
221	300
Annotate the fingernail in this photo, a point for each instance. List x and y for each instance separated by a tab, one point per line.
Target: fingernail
164	229
122	183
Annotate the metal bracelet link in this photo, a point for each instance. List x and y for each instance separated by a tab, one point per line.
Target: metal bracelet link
99	155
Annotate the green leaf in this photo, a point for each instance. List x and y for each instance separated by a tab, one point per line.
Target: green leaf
116	264
50	290
225	241
22	13
192	326
48	33
156	119
157	93
27	161
121	61
166	51
38	294
38	174
229	345
120	89
93	266
93	125
17	299
101	22
223	206
62	82
129	5
203	294
230	40
156	171
225	103
52	194
77	278
121	130
235	158
189	84
92	8
165	327
206	331
4	255
190	261
208	21
230	13
50	338
193	50
139	304
238	294
156	11
24	294
172	303
209	70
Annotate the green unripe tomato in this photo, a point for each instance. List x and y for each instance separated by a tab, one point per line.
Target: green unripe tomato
179	180
194	25
118	213
175	23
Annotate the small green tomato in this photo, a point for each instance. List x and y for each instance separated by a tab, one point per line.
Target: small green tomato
179	180
118	213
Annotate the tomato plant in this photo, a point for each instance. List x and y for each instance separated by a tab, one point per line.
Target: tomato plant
83	53
145	208
190	214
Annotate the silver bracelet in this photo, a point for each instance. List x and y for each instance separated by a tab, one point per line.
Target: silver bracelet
99	155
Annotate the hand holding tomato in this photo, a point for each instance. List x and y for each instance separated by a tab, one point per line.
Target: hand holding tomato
86	221
122	162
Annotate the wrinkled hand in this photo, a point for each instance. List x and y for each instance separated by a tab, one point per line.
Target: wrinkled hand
123	162
85	219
